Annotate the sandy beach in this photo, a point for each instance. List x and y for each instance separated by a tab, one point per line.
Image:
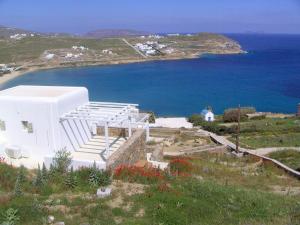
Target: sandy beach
15	74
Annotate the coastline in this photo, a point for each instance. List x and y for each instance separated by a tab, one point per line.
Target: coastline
28	69
10	76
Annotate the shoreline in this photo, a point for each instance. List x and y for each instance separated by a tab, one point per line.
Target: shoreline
10	76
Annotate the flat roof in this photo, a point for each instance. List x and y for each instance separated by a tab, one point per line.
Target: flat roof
39	91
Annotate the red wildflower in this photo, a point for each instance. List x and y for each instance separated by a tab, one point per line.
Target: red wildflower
181	166
138	174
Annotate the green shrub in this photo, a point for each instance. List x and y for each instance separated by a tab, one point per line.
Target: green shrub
44	173
231	115
8	176
71	179
10	217
18	188
295	215
99	177
22	174
196	120
260	117
61	162
219	129
38	180
151	117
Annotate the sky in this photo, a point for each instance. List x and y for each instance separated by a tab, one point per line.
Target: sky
159	16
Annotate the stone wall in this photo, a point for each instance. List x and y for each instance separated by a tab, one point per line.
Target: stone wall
113	132
131	151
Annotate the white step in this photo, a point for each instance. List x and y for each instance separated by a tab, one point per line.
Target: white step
93	142
97	145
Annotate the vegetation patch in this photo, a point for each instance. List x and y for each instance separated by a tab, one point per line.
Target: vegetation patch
289	157
216	188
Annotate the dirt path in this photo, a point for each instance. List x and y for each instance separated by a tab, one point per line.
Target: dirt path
225	142
130	45
266	151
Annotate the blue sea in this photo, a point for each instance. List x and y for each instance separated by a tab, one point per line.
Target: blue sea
267	78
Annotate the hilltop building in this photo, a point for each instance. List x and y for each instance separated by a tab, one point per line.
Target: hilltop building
208	115
38	121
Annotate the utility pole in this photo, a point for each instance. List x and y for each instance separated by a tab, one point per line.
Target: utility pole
237	144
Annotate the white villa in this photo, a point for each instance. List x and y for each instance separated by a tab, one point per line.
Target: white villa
37	121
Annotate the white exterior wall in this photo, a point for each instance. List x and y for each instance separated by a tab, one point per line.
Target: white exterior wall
209	116
44	113
38	113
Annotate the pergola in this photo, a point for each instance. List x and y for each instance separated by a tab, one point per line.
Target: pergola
110	114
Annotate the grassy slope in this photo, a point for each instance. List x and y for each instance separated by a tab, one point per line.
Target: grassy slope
289	157
222	190
29	49
270	132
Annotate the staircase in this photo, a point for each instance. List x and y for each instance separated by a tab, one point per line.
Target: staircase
94	149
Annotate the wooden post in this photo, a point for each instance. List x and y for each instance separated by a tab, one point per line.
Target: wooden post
238	130
147	131
106	138
129	127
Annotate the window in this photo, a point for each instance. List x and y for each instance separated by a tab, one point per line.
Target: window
27	126
2	125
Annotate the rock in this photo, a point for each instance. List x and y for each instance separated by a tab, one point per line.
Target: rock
51	219
58	208
205	170
103	192
200	141
59	223
167	143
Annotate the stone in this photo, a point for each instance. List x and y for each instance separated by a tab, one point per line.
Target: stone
103	192
59	223
167	143
51	219
200	141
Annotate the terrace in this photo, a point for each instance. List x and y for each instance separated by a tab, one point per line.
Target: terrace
102	116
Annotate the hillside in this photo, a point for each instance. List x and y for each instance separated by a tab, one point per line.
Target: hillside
106	33
207	188
6	32
31	51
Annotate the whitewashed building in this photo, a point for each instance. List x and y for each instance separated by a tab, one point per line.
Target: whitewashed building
208	115
37	121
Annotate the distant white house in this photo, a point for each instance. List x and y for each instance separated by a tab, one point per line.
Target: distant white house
49	56
107	51
208	115
69	55
37	121
82	48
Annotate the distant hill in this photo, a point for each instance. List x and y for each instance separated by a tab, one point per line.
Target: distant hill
105	33
6	32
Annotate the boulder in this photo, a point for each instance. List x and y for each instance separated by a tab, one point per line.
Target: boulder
51	219
103	192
